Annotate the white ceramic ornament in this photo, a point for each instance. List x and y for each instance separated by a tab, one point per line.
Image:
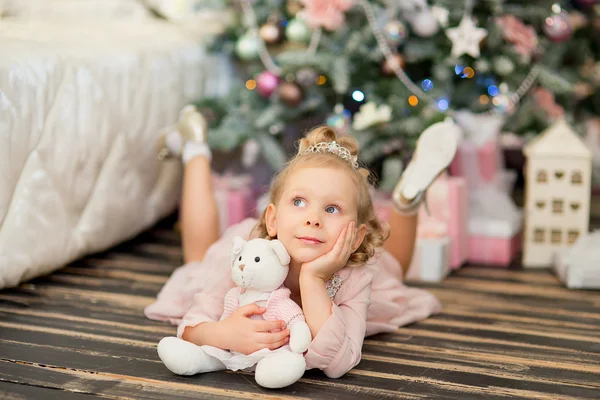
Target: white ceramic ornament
247	47
466	38
424	24
297	31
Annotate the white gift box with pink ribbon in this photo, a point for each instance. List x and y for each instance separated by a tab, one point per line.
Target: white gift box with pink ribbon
495	227
447	200
233	194
494	221
578	266
431	260
479	156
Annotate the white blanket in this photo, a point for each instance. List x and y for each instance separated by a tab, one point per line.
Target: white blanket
81	104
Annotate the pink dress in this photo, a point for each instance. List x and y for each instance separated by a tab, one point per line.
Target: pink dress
366	300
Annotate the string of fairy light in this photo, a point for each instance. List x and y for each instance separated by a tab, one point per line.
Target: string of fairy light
496	94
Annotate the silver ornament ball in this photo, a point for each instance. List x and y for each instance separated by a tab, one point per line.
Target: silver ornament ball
271	33
247	47
558	27
503	66
297	31
424	24
482	66
395	32
306	76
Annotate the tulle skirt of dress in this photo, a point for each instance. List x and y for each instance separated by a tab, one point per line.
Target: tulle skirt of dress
237	361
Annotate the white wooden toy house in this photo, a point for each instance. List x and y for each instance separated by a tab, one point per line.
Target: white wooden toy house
557	193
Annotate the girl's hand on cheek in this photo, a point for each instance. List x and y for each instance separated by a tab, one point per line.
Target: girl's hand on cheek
329	263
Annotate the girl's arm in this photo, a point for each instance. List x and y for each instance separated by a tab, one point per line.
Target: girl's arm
239	333
200	327
316	303
206	333
337	344
314	274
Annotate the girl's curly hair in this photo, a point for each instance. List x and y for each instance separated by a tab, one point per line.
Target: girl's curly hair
376	232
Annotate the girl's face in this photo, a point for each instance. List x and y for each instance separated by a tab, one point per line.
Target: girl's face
315	206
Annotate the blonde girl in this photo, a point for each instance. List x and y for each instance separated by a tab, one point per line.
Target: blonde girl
346	268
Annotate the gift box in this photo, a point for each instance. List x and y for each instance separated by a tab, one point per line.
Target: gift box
447	200
479	156
494	221
234	197
471	160
431	260
578	266
494	250
592	141
495	228
507	180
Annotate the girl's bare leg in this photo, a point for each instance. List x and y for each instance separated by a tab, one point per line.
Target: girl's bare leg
434	151
403	234
199	216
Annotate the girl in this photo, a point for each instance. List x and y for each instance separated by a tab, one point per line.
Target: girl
321	211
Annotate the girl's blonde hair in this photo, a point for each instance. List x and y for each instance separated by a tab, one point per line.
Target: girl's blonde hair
375	235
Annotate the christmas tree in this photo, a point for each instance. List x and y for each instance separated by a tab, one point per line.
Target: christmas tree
384	71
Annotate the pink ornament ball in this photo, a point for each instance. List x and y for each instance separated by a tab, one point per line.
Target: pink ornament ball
266	83
558	27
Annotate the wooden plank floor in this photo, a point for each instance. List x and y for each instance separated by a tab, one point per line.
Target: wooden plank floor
80	333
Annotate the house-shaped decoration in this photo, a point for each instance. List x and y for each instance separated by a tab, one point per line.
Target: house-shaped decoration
557	193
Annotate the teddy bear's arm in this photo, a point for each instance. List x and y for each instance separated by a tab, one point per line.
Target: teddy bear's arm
291	313
280	306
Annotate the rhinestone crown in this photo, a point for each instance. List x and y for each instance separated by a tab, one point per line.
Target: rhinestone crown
333	148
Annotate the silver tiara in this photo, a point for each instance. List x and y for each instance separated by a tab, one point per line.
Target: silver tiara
333	148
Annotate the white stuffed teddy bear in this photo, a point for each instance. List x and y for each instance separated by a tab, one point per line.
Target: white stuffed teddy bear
259	268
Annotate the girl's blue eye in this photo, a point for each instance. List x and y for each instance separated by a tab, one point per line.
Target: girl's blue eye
299	203
332	210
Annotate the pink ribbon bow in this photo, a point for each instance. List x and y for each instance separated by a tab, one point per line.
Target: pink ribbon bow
328	14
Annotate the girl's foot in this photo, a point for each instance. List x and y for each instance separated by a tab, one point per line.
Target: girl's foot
434	152
169	144
187	139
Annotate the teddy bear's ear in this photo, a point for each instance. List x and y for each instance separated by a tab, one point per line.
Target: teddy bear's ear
282	254
238	245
